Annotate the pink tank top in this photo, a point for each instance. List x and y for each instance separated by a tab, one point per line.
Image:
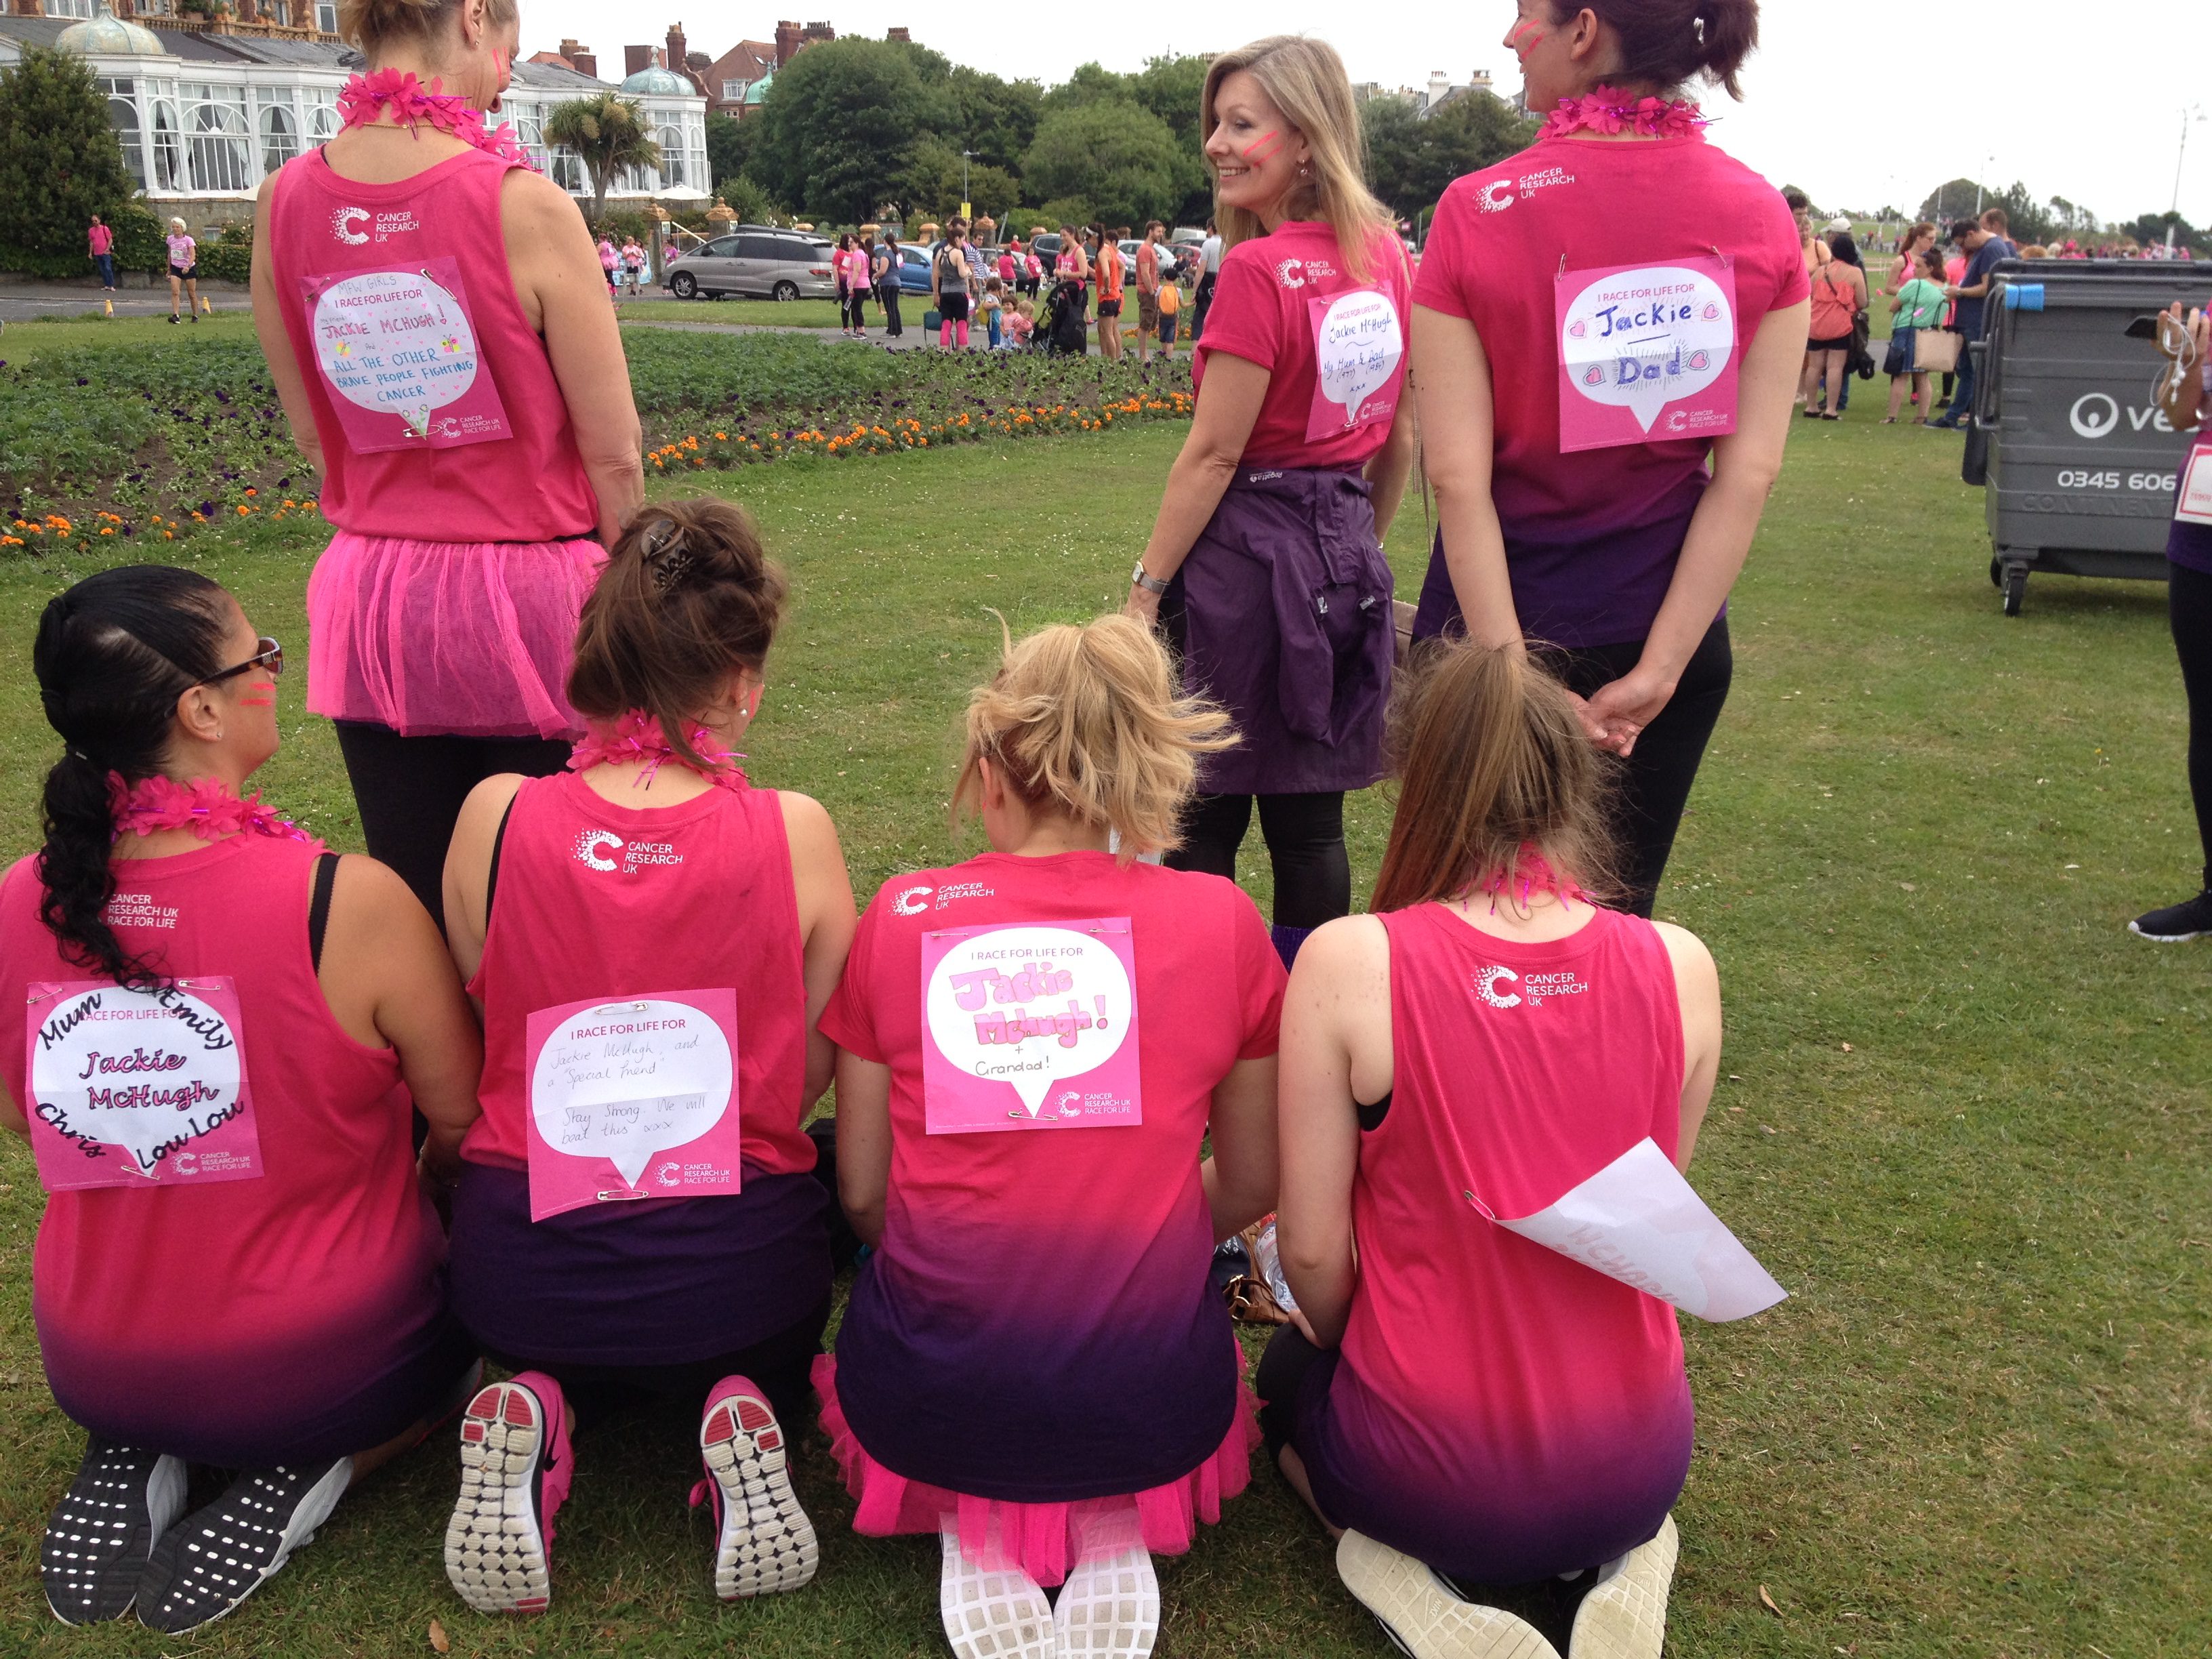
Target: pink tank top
1520	1070
436	405
597	900
323	1269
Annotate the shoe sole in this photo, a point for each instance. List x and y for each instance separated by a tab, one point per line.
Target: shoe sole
2168	939
1421	1618
495	1555
73	1534
767	1544
1110	1604
1626	1616
206	1543
992	1614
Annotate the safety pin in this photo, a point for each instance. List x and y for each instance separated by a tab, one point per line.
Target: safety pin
1481	1208
620	1008
612	1198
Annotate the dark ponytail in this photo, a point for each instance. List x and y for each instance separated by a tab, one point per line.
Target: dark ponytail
687	598
1670	43
112	656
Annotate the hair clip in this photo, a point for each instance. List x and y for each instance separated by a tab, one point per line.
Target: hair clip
667	555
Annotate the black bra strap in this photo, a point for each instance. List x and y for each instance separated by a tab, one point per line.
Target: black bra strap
318	907
498	841
1370	1117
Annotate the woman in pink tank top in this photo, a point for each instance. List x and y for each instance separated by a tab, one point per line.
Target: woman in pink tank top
465	398
651	941
219	1028
1458	1399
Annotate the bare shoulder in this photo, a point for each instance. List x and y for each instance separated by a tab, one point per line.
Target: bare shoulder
806	820
530	200
1693	964
1350	949
487	804
368	902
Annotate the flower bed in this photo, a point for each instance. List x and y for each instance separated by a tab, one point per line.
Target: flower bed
157	442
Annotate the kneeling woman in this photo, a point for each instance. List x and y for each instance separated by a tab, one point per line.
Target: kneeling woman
651	941
1037	1044
237	1267
1471	1402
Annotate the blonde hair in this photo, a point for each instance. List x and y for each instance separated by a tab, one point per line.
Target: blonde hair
1085	722
1306	80
176	224
370	23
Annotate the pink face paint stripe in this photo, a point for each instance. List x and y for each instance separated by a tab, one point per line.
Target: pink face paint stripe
1263	147
1523	48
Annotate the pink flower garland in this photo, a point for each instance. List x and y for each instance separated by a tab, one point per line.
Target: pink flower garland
365	97
637	737
1609	110
206	806
1536	875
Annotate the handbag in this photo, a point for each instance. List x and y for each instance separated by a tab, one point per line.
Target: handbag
1935	351
1897	360
1861	359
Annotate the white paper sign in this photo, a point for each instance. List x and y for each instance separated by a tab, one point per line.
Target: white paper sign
1637	1220
2193	501
624	1081
1032	1007
1359	344
1643	338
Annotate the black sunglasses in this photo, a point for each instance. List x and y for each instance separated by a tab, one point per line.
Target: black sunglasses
269	656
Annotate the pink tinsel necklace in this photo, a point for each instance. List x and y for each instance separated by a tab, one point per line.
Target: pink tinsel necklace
1608	110
208	807
367	96
636	736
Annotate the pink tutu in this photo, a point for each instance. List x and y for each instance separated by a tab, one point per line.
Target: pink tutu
1042	1538
471	638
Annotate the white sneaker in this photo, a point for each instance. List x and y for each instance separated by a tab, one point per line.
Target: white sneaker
763	1542
1423	1618
1110	1604
1626	1616
992	1613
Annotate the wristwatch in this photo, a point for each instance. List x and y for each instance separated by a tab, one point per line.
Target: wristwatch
1143	578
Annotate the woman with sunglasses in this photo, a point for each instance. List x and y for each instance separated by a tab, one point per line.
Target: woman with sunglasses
220	1028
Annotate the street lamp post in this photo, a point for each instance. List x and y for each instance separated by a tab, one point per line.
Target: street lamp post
2190	117
965	156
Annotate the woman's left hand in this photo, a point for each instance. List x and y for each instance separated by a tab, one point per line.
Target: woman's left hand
1617	712
1142	604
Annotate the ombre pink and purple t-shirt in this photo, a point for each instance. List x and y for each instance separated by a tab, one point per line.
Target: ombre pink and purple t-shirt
1036	1326
1592	535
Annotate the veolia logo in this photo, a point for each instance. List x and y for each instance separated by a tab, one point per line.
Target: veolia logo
2094	414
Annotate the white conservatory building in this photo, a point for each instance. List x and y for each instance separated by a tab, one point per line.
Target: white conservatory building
204	115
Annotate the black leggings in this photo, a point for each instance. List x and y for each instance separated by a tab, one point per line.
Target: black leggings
2188	603
1655	783
852	310
410	792
1305	844
780	1366
887	297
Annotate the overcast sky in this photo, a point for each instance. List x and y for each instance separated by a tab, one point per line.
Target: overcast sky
2074	100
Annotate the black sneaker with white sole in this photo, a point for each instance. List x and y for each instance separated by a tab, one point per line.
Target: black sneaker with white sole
102	1532
216	1556
2177	924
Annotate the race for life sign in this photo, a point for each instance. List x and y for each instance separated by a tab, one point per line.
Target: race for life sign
633	1099
2193	501
138	1088
1359	341
1029	1027
400	358
1647	353
1639	1221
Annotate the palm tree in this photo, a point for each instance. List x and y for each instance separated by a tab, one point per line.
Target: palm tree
608	132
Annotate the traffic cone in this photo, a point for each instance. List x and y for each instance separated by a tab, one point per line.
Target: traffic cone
205	306
110	304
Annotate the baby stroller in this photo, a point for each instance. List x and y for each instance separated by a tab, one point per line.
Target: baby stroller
1062	328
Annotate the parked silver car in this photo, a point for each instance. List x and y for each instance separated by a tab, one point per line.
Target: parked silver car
772	265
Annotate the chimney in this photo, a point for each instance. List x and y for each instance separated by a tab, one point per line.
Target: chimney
1440	84
788	38
819	32
675	59
903	36
635	58
581	56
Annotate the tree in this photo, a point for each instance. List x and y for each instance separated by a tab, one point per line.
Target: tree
60	163
1412	158
840	123
1116	157
2152	227
1956	200
996	120
729	145
1172	87
607	132
745	198
931	181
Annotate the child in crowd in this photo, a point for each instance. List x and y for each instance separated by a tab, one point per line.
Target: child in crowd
610	260
255	1286
993	302
633	266
1032	1365
1021	323
1170	306
596	1255
1467	1404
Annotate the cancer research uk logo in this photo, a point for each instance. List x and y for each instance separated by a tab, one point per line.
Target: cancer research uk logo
602	849
346	222
1534	987
921	896
1500	194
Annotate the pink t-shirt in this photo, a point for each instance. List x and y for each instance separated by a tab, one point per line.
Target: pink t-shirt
102	239
1074	1258
1270	303
1592	534
183	251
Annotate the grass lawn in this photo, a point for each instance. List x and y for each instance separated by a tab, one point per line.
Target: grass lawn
1964	1117
795	314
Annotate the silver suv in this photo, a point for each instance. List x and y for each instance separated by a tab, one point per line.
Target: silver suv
755	260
